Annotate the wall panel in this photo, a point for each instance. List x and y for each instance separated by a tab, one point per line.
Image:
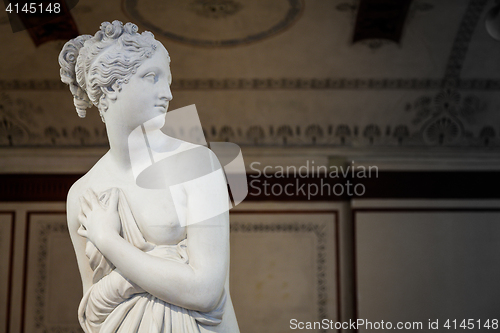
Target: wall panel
6	243
419	263
284	266
52	281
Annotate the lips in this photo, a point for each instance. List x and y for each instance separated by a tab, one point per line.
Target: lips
163	106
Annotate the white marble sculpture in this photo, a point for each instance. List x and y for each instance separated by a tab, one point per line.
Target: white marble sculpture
152	250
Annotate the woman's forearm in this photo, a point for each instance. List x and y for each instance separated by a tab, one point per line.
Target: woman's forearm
173	282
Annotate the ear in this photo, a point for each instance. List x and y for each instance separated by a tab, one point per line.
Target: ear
111	92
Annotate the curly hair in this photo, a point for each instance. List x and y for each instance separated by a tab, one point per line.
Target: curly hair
92	65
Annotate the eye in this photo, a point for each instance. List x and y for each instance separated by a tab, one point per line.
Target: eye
151	76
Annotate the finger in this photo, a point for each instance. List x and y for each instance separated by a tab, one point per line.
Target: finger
87	197
84	205
82	232
94	202
82	219
113	199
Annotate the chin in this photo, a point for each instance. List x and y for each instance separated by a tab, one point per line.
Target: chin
155	123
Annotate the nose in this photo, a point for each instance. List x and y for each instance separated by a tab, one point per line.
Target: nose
165	92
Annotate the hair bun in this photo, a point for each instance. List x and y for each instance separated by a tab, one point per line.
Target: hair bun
68	56
67	61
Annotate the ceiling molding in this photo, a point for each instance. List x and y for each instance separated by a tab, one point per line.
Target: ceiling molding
462	40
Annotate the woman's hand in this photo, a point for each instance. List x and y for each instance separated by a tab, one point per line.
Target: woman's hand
99	221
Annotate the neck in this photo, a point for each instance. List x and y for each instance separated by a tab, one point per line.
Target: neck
133	148
119	151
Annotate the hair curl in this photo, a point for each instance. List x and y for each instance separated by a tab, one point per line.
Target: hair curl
92	65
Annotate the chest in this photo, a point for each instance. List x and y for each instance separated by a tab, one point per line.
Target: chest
154	212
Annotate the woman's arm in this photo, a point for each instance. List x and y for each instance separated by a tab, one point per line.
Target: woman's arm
196	286
79	243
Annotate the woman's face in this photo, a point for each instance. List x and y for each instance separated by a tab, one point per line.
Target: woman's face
146	95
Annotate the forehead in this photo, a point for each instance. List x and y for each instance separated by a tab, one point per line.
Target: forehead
160	58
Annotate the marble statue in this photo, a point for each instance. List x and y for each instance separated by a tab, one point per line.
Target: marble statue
149	222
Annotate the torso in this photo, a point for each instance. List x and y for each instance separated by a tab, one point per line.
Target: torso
155	214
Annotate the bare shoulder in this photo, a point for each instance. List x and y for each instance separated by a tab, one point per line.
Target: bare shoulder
76	192
78	187
81	185
72	202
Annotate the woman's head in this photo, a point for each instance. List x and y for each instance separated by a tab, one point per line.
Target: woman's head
92	66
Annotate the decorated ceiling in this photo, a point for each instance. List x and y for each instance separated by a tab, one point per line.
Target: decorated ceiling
354	73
